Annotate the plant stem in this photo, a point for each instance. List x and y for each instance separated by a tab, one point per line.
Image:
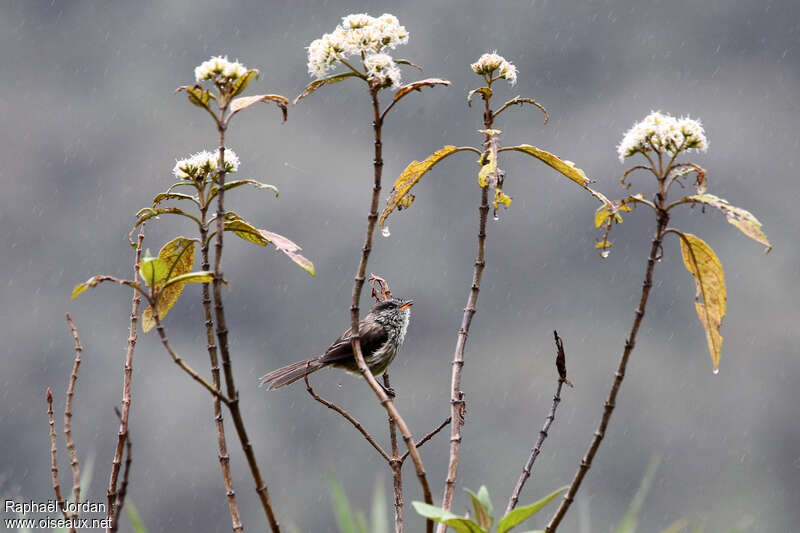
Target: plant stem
73	456
54	454
111	495
354	311
222	337
526	471
224	458
457	402
396	465
608	409
123	487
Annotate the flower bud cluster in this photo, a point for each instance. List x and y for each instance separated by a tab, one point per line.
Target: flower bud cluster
663	133
219	70
361	35
201	164
487	64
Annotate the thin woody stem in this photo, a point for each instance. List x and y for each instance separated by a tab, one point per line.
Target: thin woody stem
395	463
350	418
222	445
457	401
428	437
526	470
122	435
73	456
608	409
222	336
53	454
354	311
123	487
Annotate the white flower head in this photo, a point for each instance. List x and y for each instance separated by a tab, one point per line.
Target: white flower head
487	64
662	133
219	70
381	67
201	164
357	20
359	34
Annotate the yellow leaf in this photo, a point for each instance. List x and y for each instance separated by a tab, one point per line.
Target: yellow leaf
246	231
489	166
501	198
410	176
709	276
178	255
567	168
741	218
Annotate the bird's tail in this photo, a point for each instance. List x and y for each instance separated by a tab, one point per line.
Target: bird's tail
290	373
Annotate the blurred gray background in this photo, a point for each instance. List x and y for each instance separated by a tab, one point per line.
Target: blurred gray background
91	130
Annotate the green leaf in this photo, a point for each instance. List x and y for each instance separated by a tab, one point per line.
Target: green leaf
246	101
316	84
153	270
178	255
411	176
238	183
345	520
631	519
197	95
567	168
437	514
745	221
417	86
709	276
482	505
521	514
242	83
133	517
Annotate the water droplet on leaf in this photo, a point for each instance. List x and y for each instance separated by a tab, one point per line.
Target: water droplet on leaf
385	231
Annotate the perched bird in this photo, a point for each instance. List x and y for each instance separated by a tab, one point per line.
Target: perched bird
381	333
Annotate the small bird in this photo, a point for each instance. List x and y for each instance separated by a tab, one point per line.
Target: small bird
381	333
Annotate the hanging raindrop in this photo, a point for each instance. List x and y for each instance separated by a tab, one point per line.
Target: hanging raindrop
496	217
385	231
716	371
604	253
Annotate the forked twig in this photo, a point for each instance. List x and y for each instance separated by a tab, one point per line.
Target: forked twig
561	366
356	424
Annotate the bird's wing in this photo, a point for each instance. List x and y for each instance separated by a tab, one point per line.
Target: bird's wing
372	337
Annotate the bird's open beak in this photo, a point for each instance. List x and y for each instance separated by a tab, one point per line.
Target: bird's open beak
406	305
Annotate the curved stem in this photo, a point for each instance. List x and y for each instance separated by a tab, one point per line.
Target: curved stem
457	402
358	284
608	409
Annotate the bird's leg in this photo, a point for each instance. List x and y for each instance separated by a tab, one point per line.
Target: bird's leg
388	390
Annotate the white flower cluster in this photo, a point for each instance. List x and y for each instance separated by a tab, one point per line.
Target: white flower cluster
488	63
360	34
219	70
201	164
663	133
